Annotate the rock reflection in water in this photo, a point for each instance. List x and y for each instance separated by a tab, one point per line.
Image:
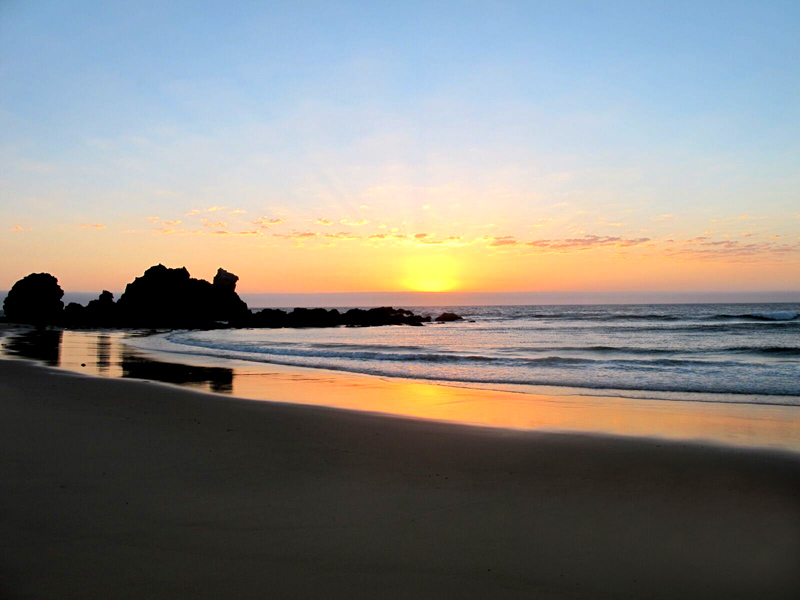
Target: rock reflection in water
103	353
38	344
219	379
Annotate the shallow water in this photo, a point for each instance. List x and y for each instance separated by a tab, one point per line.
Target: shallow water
716	352
113	354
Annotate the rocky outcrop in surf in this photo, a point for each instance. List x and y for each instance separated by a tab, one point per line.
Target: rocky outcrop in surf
319	317
167	298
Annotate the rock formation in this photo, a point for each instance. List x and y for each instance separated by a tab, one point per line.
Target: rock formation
35	299
165	297
448	316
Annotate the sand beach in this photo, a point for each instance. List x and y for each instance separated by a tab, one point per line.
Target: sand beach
132	489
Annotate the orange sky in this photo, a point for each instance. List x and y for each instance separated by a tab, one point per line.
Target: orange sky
371	254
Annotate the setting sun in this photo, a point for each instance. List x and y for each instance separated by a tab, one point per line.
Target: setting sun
431	274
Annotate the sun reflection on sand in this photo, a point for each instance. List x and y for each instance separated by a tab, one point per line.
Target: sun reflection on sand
106	354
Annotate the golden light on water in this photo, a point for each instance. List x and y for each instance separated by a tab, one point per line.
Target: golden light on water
431	273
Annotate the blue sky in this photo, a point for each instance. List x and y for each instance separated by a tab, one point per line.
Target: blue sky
585	118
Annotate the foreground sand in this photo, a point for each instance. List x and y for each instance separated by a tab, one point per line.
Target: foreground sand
125	489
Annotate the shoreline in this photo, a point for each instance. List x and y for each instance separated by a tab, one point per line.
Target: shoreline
738	424
128	489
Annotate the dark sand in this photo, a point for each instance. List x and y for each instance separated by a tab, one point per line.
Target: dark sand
126	489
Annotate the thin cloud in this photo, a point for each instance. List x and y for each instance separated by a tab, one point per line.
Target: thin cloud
343	235
325	222
505	240
93	226
266	222
296	235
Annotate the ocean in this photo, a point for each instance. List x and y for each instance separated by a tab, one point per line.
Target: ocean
708	352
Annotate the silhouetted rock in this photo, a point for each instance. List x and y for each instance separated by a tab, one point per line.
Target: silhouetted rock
76	315
319	317
35	299
385	315
223	279
170	298
448	316
103	311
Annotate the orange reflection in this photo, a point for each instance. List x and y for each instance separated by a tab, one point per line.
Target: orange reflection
738	424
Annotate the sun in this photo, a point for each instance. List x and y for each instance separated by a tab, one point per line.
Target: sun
431	274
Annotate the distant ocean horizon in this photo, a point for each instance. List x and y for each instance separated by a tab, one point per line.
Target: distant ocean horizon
707	352
409	299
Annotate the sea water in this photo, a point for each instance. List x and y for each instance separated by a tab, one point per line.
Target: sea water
732	352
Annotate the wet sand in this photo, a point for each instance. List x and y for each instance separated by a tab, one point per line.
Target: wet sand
125	489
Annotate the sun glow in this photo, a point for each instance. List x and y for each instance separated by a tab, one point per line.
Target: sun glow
431	274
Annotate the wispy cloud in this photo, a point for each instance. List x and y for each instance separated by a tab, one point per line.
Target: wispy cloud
93	226
266	222
325	222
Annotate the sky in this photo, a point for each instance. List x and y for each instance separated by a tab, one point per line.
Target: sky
465	147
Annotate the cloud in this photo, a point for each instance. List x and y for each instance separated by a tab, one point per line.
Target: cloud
343	235
266	222
214	224
325	222
665	217
506	240
421	236
296	235
152	219
587	242
220	233
354	223
252	232
191	213
20	228
215	208
238	211
176	222
732	250
93	226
